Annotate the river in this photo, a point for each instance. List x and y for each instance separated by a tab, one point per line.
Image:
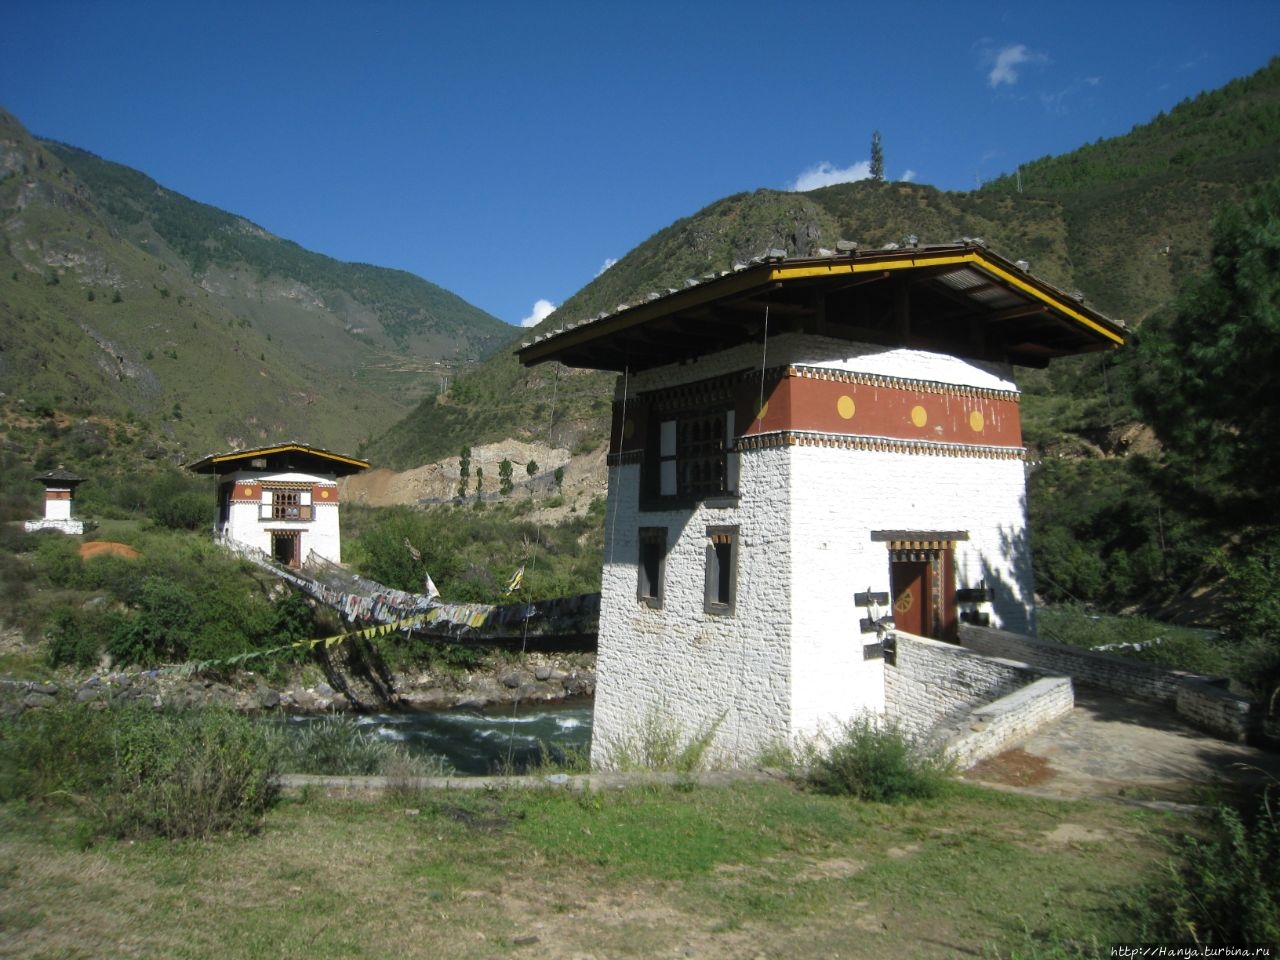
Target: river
496	739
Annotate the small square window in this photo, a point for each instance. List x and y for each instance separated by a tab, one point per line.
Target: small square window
652	566
722	570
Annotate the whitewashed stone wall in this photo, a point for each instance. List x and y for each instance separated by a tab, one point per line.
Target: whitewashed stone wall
934	685
65	525
789	662
991	728
320	534
678	664
974	705
57	509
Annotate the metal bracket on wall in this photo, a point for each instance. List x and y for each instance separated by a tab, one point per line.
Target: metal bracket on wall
872	622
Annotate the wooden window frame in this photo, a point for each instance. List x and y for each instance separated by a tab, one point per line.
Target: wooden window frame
286	504
651	573
720	594
690	458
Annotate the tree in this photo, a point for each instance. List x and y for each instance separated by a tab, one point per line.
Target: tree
1207	381
877	157
1208	371
505	483
464	470
532	469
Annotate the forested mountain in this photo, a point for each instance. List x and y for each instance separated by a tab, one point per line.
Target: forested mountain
1123	220
123	301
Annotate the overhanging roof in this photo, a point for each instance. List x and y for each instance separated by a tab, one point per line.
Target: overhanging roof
957	298
283	457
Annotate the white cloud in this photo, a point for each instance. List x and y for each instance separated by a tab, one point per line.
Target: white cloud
608	262
908	176
541	310
824	175
1008	59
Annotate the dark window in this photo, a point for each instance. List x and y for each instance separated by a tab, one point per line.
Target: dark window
722	570
653	562
690	456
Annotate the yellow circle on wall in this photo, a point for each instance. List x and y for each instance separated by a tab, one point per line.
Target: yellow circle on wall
324	494
976	421
919	416
845	407
764	411
628	428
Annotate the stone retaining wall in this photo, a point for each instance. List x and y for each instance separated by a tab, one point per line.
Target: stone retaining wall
1202	701
973	704
1011	719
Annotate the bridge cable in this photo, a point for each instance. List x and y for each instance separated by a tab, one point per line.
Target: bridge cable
524	635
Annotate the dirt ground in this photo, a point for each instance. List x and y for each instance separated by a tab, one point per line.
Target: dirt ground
583	478
98	548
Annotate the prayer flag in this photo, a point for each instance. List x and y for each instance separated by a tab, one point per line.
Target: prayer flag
516	579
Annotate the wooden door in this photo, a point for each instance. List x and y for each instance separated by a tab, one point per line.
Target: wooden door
286	548
909	581
924	593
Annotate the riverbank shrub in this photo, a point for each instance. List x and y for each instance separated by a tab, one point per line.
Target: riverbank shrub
335	745
131	770
878	763
1225	888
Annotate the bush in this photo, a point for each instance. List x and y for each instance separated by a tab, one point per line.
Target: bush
77	636
333	745
1226	889
336	746
191	774
187	510
58	559
133	771
877	763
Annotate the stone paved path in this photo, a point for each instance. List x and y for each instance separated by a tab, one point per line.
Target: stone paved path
1112	746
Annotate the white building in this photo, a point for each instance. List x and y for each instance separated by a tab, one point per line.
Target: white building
282	500
801	450
59	494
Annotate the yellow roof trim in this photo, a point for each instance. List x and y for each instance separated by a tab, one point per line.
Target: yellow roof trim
283	448
784	273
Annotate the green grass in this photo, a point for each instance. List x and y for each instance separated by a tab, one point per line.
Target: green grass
750	870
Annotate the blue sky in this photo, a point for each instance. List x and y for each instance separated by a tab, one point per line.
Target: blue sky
509	151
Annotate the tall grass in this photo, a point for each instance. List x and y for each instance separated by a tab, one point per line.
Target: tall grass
1225	886
335	745
659	742
131	770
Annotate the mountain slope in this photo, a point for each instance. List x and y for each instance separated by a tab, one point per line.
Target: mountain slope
125	300
1122	220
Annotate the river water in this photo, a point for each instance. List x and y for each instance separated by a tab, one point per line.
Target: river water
492	740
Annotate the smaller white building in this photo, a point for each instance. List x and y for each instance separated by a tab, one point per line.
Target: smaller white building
281	500
59	492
